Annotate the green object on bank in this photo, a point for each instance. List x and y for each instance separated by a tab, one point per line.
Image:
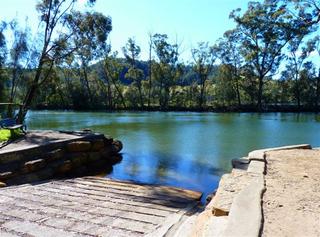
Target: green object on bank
6	135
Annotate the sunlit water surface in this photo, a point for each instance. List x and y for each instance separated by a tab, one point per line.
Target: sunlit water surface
184	149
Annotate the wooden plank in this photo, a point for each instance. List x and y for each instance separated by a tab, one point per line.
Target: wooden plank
183	193
112	204
123	201
158	193
170	202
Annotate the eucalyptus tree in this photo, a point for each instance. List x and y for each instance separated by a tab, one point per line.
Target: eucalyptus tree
54	44
228	51
90	33
314	46
167	67
132	53
265	29
112	69
3	56
305	11
18	57
150	70
296	59
204	59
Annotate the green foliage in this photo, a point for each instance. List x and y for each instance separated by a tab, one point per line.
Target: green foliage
72	66
265	30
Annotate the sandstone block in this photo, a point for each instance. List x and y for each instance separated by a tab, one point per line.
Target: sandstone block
33	165
79	146
28	178
106	152
77	162
94	156
117	146
10	157
81	157
108	140
56	164
45	173
6	175
97	145
54	155
114	159
65	167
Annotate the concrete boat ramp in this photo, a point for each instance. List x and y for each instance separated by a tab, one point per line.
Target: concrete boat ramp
45	191
270	193
92	206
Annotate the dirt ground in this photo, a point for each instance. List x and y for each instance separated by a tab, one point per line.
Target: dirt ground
291	203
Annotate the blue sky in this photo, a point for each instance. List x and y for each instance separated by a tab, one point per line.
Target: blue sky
188	21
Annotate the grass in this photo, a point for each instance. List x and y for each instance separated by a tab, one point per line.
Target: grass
6	135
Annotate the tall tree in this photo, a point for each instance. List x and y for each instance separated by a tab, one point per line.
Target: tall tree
167	67
228	51
150	70
55	44
19	53
265	28
314	45
112	69
204	58
90	35
297	55
3	56
132	52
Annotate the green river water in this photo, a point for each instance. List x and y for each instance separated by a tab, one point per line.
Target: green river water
184	149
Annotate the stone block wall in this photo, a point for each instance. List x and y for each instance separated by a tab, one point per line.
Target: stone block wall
73	158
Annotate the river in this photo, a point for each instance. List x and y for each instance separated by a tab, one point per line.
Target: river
184	149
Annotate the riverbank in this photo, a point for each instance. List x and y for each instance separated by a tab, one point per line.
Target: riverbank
267	186
216	109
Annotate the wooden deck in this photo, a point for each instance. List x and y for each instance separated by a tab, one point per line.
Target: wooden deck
92	206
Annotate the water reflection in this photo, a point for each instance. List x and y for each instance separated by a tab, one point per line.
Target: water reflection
190	150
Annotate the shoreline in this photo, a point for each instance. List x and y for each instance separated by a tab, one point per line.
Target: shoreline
184	110
267	185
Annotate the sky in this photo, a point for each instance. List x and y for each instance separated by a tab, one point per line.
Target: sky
184	21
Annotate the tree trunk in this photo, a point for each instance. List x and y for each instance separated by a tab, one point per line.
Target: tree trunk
140	95
150	76
317	92
85	74
109	96
30	94
202	92
115	85
238	92
260	92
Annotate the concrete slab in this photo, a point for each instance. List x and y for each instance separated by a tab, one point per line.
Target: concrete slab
92	206
291	201
245	218
260	154
256	167
230	185
215	226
